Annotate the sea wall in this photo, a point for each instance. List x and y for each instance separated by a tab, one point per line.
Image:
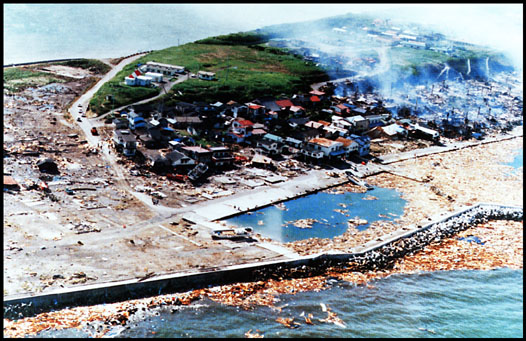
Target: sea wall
378	254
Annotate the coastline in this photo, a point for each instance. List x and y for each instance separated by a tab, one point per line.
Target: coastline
441	252
451	253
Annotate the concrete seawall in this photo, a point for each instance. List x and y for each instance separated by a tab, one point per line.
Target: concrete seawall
374	255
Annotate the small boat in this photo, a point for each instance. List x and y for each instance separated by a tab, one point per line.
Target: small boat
232	234
198	172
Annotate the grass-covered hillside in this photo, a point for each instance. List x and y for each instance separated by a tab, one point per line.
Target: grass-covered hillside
18	78
245	69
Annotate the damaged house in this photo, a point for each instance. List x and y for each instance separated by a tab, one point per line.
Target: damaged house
125	142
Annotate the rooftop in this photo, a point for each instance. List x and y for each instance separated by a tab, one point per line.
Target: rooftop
196	149
323	142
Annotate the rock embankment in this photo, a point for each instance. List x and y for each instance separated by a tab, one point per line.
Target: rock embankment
386	255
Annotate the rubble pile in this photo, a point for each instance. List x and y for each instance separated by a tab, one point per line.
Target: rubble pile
451	253
459	177
385	256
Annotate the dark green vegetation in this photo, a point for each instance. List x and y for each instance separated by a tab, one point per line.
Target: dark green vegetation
115	93
244	71
18	78
241	38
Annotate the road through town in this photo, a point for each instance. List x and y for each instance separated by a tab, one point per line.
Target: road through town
95	141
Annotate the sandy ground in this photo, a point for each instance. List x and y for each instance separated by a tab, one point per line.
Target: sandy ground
67	71
38	246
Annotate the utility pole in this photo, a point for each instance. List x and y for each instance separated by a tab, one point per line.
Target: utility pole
227	67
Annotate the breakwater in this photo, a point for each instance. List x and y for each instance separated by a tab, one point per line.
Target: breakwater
67	60
376	255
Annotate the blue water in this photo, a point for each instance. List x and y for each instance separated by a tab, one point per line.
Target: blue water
486	304
35	32
321	206
518	160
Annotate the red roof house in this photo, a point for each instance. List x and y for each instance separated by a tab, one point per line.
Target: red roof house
317	93
285	103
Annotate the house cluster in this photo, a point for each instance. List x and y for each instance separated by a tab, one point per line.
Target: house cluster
468	108
273	127
150	72
384	32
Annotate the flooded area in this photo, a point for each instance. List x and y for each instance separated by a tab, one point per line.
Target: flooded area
293	220
518	161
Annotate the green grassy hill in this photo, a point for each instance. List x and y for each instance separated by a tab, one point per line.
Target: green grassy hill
244	71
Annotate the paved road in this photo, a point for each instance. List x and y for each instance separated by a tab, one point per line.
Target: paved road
83	101
103	146
167	86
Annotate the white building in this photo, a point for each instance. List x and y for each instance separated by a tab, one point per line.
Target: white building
165	69
125	141
206	75
130	80
156	77
348	145
143	81
327	147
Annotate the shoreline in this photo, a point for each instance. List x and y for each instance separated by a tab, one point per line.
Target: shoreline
111	315
460	177
264	290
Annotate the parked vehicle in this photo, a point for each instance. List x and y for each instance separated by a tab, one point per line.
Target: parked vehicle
232	234
177	177
94	131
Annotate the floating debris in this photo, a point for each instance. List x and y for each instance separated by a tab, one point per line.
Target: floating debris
255	335
308	318
288	322
357	221
370	197
331	317
303	223
281	206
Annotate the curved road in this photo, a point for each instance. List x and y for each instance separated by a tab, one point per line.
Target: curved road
96	141
166	86
83	101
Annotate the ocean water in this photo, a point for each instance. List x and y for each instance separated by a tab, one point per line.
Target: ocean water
276	224
485	304
36	32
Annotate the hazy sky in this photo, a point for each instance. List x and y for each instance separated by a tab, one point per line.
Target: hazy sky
496	25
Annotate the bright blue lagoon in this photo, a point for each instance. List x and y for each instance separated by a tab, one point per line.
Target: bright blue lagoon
273	222
518	160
